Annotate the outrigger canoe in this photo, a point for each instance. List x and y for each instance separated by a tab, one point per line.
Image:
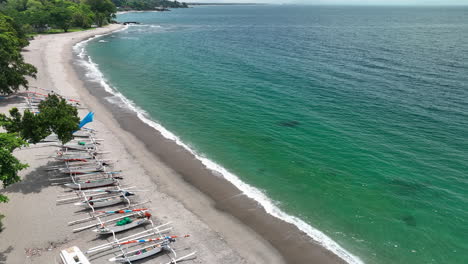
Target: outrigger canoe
125	224
105	201
92	184
141	253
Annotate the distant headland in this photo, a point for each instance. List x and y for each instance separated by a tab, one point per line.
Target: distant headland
194	4
148	5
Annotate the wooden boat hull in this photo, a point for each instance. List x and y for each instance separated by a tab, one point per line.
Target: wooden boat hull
117	229
75	157
103	203
92	184
155	249
80	134
80	170
82	146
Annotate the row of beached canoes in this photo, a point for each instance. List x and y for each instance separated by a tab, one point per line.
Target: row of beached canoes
92	184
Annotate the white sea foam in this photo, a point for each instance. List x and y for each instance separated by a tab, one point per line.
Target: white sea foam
94	74
144	25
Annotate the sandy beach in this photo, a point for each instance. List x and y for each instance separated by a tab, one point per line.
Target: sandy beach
225	226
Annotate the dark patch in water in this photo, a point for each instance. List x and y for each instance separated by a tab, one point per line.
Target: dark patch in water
299	164
261	170
267	139
409	220
410	186
289	123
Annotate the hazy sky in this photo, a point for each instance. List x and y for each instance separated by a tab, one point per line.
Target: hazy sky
344	2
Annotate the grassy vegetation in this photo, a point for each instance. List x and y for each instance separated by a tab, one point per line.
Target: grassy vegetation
57	31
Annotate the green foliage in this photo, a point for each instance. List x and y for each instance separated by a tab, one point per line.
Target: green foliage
38	16
55	116
104	11
61	118
148	4
28	126
9	164
13	69
82	15
60	31
61	14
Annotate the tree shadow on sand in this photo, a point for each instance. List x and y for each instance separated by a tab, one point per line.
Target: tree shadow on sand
32	182
12	99
3	255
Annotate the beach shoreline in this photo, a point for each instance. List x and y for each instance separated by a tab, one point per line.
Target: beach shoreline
230	227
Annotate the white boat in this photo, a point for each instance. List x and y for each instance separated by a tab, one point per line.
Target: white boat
92	184
105	201
73	255
135	220
82	169
81	163
75	156
82	143
140	253
82	133
83	147
150	246
155	231
154	247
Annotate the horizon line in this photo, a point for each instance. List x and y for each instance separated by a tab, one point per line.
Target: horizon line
331	4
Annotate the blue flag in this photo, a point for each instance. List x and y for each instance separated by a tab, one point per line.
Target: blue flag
88	118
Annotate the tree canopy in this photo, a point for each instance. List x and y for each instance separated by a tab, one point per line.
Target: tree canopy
104	10
13	69
9	164
61	14
55	116
36	16
148	4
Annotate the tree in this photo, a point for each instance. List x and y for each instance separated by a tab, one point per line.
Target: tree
55	116
61	14
148	4
28	126
82	15
104	10
37	15
60	117
10	165
13	69
19	5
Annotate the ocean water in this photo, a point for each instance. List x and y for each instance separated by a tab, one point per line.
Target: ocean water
352	119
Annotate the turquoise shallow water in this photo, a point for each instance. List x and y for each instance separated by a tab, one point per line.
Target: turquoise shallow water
353	119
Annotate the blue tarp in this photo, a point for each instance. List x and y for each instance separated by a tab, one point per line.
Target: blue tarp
88	118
